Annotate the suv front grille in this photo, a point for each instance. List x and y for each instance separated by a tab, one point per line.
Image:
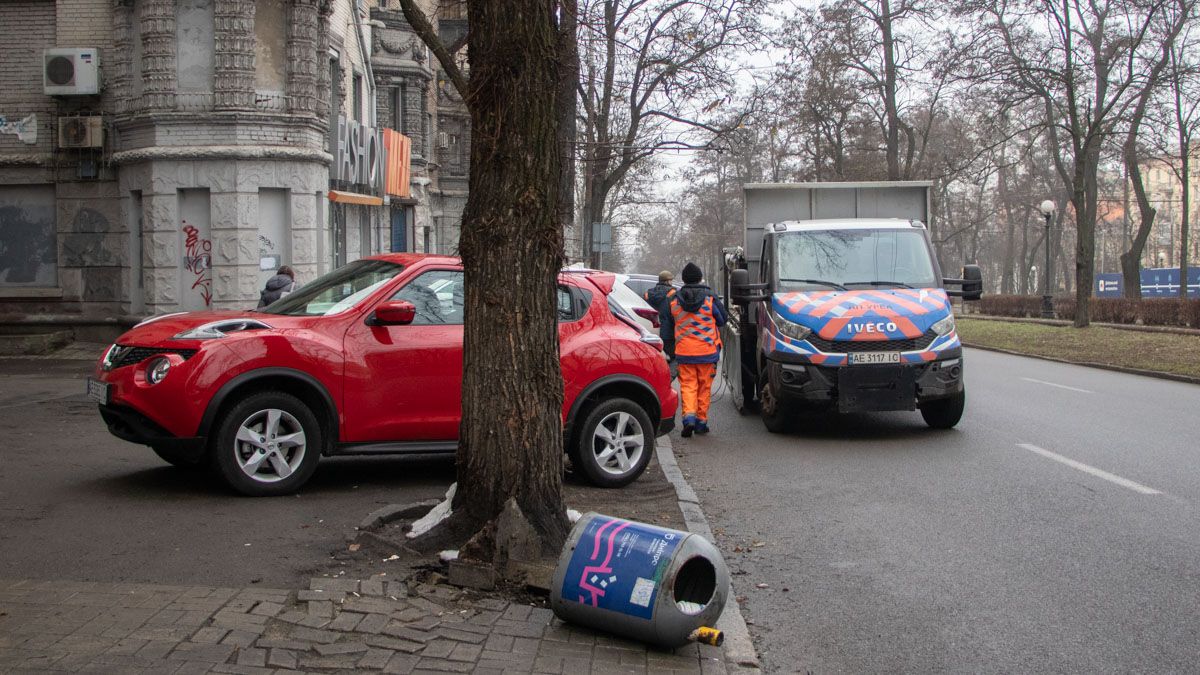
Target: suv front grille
857	346
128	356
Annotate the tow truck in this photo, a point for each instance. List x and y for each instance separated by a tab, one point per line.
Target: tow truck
838	302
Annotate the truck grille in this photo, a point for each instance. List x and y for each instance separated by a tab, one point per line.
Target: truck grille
855	346
128	356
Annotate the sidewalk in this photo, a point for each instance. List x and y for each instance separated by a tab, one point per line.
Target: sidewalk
336	625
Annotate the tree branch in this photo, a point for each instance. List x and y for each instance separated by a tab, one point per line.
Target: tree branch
424	30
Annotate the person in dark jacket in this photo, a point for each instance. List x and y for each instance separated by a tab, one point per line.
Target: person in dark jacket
659	298
281	284
696	318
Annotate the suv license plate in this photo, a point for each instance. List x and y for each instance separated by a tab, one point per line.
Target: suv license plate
870	358
97	391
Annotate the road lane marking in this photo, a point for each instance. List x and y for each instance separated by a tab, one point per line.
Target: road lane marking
1060	386
1099	473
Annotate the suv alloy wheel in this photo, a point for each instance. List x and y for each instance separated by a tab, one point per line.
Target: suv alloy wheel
614	443
267	444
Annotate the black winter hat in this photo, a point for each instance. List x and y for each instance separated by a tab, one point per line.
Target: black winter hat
692	274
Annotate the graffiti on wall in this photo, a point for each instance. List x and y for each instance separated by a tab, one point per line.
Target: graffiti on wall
25	128
197	260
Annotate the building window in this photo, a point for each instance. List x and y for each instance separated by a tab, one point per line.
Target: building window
270	56
357	93
28	243
398	96
194	62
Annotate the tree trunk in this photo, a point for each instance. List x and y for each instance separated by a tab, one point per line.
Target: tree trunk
889	91
1131	260
510	443
566	106
1006	271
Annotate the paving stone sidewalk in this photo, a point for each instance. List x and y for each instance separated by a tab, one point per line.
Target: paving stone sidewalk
335	626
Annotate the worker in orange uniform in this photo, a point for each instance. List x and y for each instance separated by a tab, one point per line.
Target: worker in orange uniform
696	318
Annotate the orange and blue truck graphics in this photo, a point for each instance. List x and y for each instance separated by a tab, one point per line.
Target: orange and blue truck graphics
880	319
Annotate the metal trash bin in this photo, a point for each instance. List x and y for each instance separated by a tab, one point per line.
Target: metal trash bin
640	581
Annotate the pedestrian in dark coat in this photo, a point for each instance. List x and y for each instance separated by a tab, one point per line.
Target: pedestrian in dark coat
281	284
659	298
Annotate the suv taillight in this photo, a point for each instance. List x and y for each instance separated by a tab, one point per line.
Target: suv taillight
648	313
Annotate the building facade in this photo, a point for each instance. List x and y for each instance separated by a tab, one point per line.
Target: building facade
1164	190
225	138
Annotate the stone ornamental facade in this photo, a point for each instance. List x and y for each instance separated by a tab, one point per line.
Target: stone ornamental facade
206	159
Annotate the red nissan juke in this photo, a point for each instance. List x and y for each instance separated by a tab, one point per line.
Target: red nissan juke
368	360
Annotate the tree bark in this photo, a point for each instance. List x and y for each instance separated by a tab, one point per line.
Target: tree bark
889	90
510	441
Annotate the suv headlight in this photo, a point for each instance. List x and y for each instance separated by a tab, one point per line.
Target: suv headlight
945	326
219	329
106	363
156	370
791	329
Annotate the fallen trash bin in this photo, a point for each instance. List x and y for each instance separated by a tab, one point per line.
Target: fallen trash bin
652	584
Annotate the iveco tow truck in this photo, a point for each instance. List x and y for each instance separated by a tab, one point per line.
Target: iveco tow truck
838	302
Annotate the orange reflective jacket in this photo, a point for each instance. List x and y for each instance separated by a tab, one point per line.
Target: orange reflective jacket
696	332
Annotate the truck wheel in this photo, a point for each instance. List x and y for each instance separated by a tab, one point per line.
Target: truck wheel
774	409
267	444
175	457
614	443
944	413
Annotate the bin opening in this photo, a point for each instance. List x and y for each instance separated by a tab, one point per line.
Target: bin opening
695	585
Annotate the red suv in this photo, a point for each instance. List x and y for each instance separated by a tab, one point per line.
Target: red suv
368	360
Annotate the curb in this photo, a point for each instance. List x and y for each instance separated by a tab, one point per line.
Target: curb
393	512
1187	379
739	648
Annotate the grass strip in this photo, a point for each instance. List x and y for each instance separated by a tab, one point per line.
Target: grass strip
1161	352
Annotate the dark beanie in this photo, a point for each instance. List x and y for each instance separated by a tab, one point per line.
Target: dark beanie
692	273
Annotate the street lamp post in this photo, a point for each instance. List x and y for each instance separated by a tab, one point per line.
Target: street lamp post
1047	209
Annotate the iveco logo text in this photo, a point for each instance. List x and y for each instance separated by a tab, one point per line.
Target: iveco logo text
878	327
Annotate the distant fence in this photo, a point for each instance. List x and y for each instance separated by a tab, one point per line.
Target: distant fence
1162	282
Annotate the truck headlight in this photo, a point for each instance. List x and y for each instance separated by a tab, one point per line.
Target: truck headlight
945	326
791	329
156	370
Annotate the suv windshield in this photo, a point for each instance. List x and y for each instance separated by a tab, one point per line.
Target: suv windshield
848	259
337	291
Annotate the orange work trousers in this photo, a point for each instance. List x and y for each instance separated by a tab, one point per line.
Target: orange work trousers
695	388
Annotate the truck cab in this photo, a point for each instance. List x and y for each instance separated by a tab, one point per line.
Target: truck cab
845	314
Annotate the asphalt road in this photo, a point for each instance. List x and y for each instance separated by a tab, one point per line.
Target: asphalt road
1055	530
77	503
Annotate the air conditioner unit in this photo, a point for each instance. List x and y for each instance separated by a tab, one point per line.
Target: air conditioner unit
73	71
81	132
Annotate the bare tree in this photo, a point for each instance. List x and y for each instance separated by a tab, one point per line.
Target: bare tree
650	71
1173	23
1082	60
510	442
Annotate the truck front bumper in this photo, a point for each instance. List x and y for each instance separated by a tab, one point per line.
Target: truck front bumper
868	388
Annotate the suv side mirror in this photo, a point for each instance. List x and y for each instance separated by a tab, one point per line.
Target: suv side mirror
393	313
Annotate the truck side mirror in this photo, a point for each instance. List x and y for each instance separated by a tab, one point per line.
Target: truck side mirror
741	290
972	282
738	279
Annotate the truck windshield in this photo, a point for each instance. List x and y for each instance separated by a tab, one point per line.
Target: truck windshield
337	291
827	259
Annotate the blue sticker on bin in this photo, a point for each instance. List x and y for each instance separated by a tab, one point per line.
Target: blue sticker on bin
619	565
